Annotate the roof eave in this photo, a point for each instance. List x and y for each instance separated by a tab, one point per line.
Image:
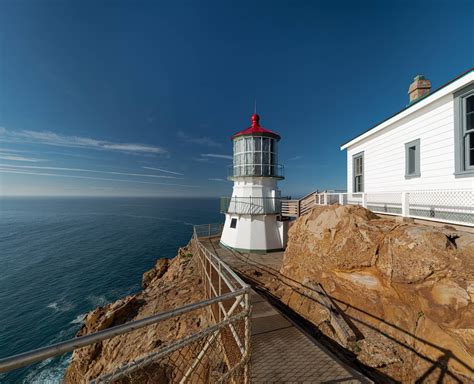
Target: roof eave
420	103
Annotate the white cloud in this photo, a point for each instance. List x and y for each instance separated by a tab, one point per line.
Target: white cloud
215	179
2	131
51	138
216	155
203	140
19	158
163	170
89	170
23	172
201	159
295	158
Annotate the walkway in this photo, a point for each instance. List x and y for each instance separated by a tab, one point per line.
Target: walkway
281	352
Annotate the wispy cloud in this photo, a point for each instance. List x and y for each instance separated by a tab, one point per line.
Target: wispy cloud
51	138
215	179
201	159
19	158
216	155
202	140
295	158
163	170
89	170
23	172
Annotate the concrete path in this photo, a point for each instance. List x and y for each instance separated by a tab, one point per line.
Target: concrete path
281	352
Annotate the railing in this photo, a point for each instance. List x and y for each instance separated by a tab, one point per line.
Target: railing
251	205
296	208
256	170
217	353
448	206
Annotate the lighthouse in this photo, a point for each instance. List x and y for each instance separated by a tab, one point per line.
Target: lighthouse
252	215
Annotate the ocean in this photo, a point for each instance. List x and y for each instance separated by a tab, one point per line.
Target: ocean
63	257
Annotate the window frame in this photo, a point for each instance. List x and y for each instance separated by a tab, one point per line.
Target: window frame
416	172
462	169
355	157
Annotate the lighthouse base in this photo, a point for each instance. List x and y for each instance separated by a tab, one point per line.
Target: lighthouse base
254	233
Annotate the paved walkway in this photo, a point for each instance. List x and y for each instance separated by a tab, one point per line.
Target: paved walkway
281	352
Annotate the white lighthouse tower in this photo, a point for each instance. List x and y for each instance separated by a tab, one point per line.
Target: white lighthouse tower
252	214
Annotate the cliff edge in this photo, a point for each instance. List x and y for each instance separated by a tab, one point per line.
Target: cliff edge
170	284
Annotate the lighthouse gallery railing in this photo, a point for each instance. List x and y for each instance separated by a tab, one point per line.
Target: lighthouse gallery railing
256	170
252	205
218	353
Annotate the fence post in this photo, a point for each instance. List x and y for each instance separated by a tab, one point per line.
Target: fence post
364	200
405	204
341	199
325	198
209	230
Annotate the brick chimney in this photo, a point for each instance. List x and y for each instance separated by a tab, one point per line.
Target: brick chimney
419	88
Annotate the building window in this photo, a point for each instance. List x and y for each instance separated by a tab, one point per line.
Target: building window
358	171
233	223
412	159
464	131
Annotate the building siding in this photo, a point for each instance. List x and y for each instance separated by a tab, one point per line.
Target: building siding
384	152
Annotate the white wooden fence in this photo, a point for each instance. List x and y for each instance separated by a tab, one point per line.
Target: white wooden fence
447	206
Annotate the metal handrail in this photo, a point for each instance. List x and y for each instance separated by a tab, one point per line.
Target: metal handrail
33	356
239	291
251	205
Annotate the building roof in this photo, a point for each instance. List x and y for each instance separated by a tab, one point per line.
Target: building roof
408	109
256	130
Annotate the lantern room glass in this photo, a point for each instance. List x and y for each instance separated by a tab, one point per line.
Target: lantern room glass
255	156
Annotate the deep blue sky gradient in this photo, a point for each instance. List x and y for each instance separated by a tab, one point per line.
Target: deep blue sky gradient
179	78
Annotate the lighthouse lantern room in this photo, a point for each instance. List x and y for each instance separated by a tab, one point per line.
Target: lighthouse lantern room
252	220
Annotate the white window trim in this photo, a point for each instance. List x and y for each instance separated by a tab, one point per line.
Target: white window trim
354	157
460	162
416	173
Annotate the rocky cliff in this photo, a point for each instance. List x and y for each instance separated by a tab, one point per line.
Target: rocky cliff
407	290
170	284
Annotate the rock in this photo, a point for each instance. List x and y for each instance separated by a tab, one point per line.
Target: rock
161	287
157	272
406	289
411	253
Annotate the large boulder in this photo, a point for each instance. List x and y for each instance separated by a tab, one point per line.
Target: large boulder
406	289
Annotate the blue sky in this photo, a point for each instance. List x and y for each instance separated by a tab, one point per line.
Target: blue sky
140	98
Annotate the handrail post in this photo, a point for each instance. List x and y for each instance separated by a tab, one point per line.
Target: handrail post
364	200
405	204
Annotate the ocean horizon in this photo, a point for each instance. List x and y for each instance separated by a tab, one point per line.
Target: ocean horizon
64	256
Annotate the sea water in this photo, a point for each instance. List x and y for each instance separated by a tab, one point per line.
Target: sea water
63	257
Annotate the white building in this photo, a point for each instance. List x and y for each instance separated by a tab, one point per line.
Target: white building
429	145
253	221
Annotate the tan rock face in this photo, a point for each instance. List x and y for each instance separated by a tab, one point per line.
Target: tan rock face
407	289
170	284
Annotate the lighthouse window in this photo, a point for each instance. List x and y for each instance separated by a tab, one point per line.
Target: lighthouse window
258	144
265	143
233	223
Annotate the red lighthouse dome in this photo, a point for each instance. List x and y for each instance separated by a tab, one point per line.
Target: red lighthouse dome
256	130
